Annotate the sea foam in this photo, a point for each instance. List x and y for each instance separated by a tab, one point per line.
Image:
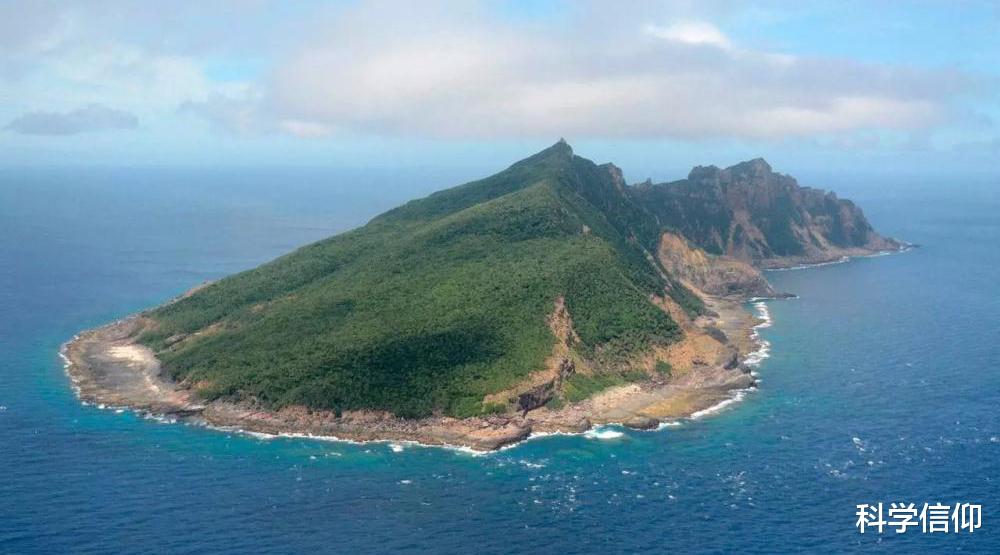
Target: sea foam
602	433
738	395
763	351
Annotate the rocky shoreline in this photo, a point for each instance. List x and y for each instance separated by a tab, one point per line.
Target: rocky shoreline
835	256
110	369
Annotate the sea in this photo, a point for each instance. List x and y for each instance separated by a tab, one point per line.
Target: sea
880	385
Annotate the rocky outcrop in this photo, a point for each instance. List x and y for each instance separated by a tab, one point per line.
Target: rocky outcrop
713	274
540	394
641	423
752	214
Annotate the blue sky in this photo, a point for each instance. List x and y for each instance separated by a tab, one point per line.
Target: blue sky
898	87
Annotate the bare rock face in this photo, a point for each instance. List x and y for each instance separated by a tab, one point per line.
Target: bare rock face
713	274
540	394
536	397
751	213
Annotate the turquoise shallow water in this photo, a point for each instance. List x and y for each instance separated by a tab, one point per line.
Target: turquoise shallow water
882	386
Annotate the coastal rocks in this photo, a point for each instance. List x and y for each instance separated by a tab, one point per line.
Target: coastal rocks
560	423
639	422
481	434
491	437
108	368
730	359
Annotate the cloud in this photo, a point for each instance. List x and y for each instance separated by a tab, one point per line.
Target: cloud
130	55
93	117
468	69
691	32
417	71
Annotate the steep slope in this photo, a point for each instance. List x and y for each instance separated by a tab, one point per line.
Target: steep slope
721	276
435	305
750	213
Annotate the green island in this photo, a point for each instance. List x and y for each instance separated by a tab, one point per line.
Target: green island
521	295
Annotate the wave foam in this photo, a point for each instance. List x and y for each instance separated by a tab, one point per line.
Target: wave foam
602	433
396	446
738	395
763	351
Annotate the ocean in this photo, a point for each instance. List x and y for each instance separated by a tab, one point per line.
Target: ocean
881	385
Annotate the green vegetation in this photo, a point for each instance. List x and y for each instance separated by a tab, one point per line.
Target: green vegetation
556	403
664	368
580	386
437	303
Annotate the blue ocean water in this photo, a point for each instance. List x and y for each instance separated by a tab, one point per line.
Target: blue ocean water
882	386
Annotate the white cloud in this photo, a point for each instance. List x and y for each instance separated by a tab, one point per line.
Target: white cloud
691	32
459	70
56	56
388	69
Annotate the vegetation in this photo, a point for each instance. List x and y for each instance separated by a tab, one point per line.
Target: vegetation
664	368
578	386
437	303
581	386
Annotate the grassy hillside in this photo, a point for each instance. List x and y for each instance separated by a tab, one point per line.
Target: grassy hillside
435	304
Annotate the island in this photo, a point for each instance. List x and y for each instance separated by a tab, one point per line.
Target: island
551	297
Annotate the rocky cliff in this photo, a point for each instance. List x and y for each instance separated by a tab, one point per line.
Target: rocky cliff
716	275
750	213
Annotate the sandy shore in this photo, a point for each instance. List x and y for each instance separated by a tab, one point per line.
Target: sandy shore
108	367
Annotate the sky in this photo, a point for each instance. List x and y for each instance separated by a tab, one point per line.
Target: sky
656	87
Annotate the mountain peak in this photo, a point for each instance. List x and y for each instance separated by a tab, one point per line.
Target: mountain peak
704	173
757	166
559	152
562	147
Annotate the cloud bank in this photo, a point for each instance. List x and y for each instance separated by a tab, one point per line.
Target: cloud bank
463	70
387	69
93	117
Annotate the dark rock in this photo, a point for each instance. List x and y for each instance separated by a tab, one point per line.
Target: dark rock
639	422
716	334
730	359
536	397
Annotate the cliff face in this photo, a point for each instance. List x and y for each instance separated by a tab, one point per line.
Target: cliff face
721	276
750	213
